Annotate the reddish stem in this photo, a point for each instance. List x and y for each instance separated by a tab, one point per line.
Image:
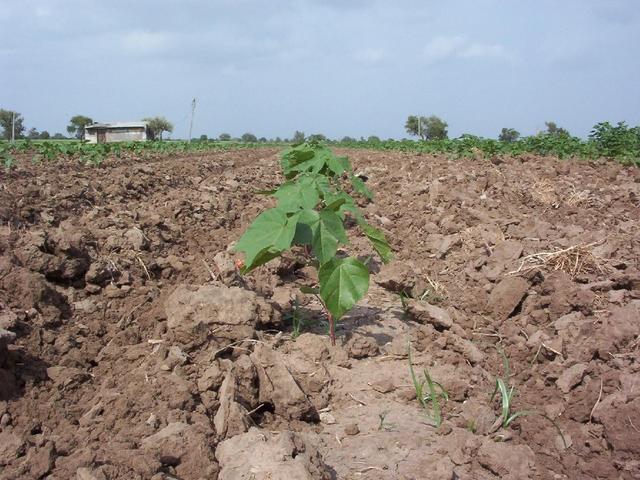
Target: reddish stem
332	329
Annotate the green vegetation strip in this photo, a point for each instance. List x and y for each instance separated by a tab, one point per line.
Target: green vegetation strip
50	150
618	142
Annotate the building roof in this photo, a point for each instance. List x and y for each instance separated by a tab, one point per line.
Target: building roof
118	125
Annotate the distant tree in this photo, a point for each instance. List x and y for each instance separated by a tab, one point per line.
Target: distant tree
6	120
77	125
224	137
373	139
157	126
553	129
278	140
436	128
59	136
347	139
298	137
415	126
249	138
44	135
427	128
33	134
263	140
509	135
204	138
317	137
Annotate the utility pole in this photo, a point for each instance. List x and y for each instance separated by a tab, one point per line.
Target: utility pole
13	127
193	111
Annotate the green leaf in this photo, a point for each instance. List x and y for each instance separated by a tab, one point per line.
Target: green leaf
305	221
349	204
523	413
336	204
506	398
328	232
337	165
263	256
302	158
360	187
295	156
293	196
272	231
322	184
378	241
343	282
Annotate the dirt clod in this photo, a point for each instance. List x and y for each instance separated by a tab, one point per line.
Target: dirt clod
423	312
263	455
228	314
278	387
360	346
571	377
506	296
351	429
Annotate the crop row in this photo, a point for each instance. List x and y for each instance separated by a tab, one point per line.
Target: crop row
618	142
97	153
469	146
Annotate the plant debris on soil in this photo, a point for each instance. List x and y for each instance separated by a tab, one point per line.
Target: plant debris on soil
131	348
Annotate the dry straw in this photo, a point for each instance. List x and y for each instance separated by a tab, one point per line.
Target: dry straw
574	260
554	195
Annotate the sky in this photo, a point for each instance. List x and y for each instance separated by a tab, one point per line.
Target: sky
340	68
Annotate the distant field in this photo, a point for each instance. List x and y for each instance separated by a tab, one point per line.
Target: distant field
619	143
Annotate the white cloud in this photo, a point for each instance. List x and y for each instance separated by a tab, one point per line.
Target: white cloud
478	50
370	56
441	48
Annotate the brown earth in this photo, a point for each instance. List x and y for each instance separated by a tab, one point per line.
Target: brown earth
130	348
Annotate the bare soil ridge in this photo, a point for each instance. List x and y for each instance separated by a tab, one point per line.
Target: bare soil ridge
130	348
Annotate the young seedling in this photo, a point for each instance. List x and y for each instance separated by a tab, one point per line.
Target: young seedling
506	392
433	413
312	209
298	320
506	395
7	160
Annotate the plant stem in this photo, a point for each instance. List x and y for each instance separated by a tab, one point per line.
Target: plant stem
332	329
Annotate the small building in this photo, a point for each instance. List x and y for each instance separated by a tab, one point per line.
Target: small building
116	132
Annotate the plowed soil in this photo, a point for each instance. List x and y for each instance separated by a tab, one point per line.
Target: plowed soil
522	269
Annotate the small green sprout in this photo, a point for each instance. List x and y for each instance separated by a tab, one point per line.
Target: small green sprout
433	413
506	391
506	395
298	320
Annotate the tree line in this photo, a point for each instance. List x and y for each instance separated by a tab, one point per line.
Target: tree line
434	128
426	128
13	126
